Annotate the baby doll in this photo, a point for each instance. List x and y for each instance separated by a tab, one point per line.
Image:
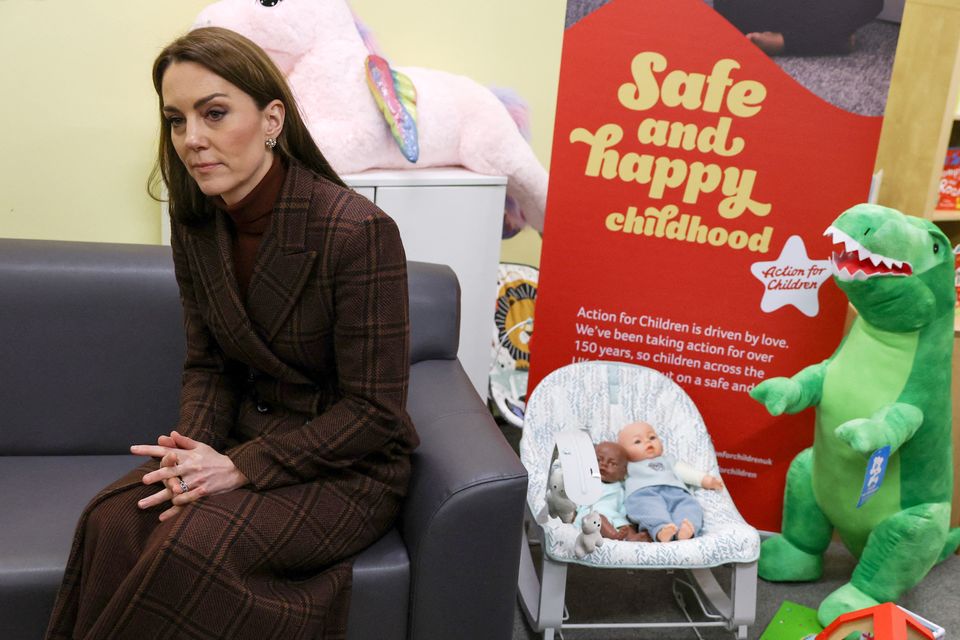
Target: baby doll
658	499
612	461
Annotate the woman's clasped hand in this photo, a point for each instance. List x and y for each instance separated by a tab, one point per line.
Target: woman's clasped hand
189	470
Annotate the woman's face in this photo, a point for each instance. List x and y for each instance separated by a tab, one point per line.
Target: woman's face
218	131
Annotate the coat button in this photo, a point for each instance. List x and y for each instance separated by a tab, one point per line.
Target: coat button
263	407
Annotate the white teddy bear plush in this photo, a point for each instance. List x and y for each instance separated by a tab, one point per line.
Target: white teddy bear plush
589	537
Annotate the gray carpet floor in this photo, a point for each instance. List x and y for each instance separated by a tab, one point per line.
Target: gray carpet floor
625	595
858	82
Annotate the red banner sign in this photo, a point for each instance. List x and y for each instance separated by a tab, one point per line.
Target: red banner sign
690	185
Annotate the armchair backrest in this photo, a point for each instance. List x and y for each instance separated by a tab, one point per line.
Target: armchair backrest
91	346
91	342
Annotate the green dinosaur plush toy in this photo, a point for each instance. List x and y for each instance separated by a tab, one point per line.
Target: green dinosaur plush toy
886	385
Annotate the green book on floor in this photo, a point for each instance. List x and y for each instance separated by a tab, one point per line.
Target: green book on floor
792	621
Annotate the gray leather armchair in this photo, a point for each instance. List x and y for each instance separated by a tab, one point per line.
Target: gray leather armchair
91	348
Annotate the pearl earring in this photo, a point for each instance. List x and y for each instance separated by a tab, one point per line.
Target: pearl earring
271	143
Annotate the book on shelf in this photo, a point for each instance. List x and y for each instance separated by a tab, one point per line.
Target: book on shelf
950	181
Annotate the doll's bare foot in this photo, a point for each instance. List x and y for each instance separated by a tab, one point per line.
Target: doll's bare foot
666	533
770	42
686	530
607	530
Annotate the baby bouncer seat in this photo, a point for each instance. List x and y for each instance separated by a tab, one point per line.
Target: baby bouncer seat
596	399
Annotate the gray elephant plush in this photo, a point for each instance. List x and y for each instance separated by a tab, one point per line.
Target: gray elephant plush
558	504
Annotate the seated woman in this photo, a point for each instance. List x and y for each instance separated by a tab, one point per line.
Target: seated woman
800	27
291	452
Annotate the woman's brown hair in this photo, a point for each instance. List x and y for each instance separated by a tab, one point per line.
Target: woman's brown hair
242	63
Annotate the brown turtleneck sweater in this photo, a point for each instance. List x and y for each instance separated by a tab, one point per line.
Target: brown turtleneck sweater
251	219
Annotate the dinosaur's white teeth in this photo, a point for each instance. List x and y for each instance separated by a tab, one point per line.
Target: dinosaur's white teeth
846	275
863	254
838	236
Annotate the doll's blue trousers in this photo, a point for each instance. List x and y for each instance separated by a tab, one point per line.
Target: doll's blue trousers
652	508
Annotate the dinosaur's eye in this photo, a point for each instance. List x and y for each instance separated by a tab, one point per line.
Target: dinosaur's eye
936	247
269	3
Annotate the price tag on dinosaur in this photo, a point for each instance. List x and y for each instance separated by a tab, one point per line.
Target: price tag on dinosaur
876	468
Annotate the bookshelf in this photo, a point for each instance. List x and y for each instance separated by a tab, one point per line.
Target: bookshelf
922	107
946	215
922	113
950	215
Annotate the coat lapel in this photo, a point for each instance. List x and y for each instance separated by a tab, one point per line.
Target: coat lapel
282	265
272	294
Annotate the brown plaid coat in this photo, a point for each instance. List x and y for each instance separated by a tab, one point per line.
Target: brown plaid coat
303	385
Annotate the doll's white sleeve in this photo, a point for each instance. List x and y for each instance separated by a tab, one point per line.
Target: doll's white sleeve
689	474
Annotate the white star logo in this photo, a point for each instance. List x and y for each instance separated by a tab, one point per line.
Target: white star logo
793	278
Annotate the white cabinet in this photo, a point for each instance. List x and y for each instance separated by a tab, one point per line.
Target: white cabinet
450	216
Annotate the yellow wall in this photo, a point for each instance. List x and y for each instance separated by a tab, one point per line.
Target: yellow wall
78	116
78	130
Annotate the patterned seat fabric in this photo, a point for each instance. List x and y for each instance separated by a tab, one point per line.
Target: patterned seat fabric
596	395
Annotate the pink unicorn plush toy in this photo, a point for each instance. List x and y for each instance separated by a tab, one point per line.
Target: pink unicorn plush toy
317	45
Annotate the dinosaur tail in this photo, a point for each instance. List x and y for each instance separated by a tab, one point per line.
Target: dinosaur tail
517	107
953	541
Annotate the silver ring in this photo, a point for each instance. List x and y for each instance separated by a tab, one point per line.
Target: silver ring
183	485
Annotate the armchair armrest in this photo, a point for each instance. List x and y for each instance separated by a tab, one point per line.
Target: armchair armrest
463	517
